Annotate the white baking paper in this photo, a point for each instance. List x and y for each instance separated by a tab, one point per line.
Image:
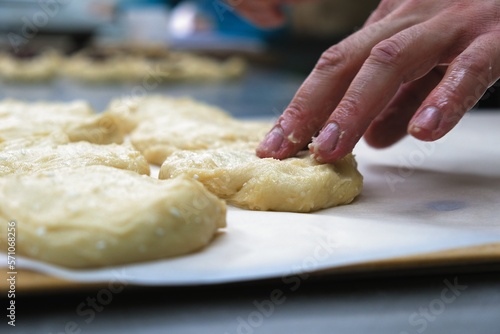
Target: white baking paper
418	198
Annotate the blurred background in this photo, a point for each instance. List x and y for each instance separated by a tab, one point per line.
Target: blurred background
200	25
203	26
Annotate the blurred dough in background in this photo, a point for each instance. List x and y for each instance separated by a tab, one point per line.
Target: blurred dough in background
135	63
119	64
76	119
30	67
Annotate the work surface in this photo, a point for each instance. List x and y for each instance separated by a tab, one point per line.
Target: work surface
433	187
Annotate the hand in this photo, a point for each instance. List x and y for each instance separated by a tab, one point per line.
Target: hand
416	66
264	13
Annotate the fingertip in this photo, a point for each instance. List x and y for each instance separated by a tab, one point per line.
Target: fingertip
425	125
326	157
271	143
276	145
326	148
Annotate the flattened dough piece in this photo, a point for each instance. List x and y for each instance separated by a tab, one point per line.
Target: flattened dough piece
131	111
188	66
109	64
296	184
112	68
100	216
77	119
28	155
158	139
39	68
164	125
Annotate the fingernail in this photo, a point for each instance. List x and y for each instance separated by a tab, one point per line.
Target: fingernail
428	119
328	138
273	141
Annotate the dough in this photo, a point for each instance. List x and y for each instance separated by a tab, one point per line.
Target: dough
296	184
162	125
37	68
117	68
129	112
159	138
29	155
125	64
188	66
101	216
76	119
149	65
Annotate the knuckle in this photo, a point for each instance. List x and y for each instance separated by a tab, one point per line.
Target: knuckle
332	59
389	52
295	111
298	114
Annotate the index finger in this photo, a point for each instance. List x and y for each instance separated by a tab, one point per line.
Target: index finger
324	88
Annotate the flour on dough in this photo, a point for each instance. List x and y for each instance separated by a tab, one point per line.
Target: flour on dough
131	111
157	139
34	154
101	216
77	119
162	125
296	184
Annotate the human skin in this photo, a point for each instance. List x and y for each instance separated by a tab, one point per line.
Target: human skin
264	13
416	66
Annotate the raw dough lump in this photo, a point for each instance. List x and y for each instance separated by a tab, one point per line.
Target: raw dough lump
160	126
28	155
296	184
77	119
44	66
101	216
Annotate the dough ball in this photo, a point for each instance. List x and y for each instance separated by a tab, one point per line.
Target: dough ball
151	67
157	139
28	155
42	67
77	119
102	216
131	111
162	125
297	184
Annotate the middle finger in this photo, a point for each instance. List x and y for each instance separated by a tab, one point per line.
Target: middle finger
403	58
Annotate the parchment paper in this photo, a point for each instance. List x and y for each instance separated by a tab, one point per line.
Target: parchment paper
418	198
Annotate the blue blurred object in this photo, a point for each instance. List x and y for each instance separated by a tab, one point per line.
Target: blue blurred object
143	3
226	18
214	25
